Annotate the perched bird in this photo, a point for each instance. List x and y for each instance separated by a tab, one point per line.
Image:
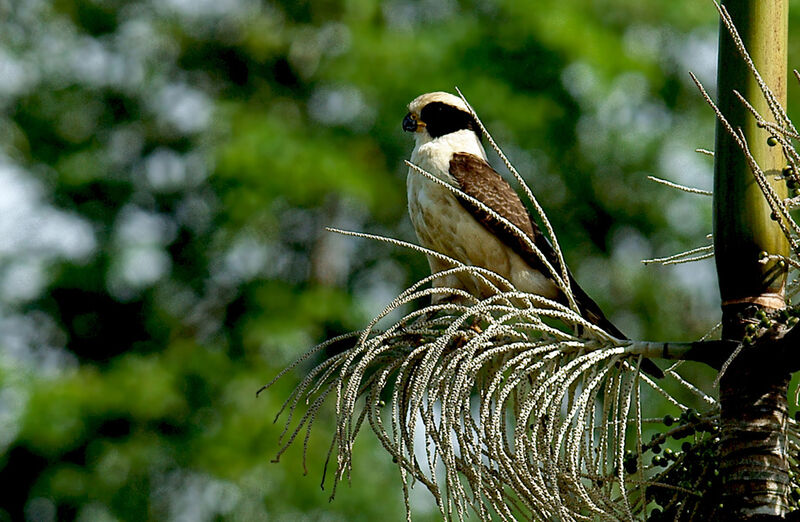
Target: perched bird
448	146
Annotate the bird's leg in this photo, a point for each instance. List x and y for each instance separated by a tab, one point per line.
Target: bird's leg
474	324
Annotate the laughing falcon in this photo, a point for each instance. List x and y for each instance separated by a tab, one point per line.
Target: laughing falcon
448	146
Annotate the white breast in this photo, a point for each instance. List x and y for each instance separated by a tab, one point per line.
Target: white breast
434	155
442	224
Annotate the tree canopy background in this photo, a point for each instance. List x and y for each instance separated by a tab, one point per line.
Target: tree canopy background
167	169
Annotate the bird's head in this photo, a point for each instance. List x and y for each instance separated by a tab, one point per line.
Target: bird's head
436	114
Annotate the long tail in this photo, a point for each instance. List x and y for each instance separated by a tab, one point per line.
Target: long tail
592	313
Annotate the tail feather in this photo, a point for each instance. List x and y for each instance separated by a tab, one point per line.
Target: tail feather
592	313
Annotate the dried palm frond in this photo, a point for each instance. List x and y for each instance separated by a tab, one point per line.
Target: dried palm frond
524	419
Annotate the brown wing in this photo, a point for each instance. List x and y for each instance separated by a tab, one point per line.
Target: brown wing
478	179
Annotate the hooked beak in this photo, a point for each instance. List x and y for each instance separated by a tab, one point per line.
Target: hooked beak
412	124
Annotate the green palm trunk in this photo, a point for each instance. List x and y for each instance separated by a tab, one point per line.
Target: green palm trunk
753	397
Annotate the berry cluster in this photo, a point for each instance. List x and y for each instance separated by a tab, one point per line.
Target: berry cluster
691	474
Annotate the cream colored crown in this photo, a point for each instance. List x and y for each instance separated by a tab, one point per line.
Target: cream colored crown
445	97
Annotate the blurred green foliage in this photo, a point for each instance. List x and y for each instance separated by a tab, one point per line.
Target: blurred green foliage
168	167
